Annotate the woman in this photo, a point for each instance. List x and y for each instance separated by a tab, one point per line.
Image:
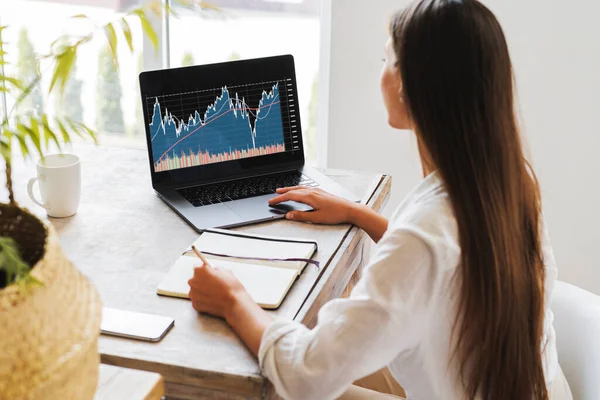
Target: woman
455	301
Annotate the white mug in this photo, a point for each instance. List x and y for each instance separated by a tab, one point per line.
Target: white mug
59	180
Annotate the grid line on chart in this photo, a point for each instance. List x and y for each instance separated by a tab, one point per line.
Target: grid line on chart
209	90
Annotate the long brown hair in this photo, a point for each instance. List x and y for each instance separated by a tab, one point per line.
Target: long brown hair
458	87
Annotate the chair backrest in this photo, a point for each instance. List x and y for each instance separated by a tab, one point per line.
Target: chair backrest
577	325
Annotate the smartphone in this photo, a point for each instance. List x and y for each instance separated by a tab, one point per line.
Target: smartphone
134	325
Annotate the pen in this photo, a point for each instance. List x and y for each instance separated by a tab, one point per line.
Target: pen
195	250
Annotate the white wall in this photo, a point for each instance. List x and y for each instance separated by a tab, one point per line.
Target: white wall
555	47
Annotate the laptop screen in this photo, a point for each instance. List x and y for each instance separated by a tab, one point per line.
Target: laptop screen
217	125
223	116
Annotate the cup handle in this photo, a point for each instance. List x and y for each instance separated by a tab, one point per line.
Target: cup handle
31	195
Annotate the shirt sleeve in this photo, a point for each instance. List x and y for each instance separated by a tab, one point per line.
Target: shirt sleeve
549	352
357	336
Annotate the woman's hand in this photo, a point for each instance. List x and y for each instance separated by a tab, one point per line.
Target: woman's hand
214	290
218	292
328	209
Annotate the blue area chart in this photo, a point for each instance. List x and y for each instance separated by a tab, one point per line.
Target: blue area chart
230	129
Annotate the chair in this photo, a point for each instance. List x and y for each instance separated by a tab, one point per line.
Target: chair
577	325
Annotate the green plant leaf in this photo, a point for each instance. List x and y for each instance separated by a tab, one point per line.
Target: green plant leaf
5	144
63	66
66	137
35	135
49	133
147	28
14	81
32	133
171	11
83	16
6	133
29	281
75	128
46	136
111	35
22	139
25	92
81	130
127	33
89	131
84	39
12	263
62	39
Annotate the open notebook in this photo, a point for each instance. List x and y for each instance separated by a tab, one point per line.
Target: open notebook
267	266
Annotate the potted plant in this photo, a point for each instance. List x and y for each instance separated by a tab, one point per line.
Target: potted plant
49	312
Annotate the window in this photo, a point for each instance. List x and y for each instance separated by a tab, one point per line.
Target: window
99	93
107	98
250	29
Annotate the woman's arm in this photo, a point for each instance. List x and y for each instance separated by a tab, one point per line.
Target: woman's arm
248	320
368	220
330	209
353	337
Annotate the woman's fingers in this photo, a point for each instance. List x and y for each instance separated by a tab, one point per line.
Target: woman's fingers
199	272
202	275
305	216
301	196
287	189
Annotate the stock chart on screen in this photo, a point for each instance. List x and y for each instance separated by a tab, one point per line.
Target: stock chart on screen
219	124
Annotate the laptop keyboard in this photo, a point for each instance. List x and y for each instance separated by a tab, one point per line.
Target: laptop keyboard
243	188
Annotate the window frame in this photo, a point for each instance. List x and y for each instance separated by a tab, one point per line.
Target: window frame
161	58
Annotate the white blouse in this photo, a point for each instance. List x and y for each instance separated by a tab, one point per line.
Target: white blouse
399	315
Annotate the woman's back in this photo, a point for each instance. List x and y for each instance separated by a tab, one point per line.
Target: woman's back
426	369
400	314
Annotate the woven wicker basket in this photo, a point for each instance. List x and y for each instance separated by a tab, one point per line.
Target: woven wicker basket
49	334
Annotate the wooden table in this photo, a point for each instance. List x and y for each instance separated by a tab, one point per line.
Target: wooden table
125	239
116	383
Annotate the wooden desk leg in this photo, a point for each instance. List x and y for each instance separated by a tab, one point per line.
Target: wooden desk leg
342	283
365	246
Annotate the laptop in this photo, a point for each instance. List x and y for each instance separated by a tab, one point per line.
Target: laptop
222	137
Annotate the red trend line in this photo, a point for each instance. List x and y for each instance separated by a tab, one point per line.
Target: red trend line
203	125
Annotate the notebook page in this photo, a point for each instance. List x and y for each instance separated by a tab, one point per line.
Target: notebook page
266	285
254	247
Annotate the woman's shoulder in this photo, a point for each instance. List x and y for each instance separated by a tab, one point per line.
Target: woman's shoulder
427	200
428	215
427	207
